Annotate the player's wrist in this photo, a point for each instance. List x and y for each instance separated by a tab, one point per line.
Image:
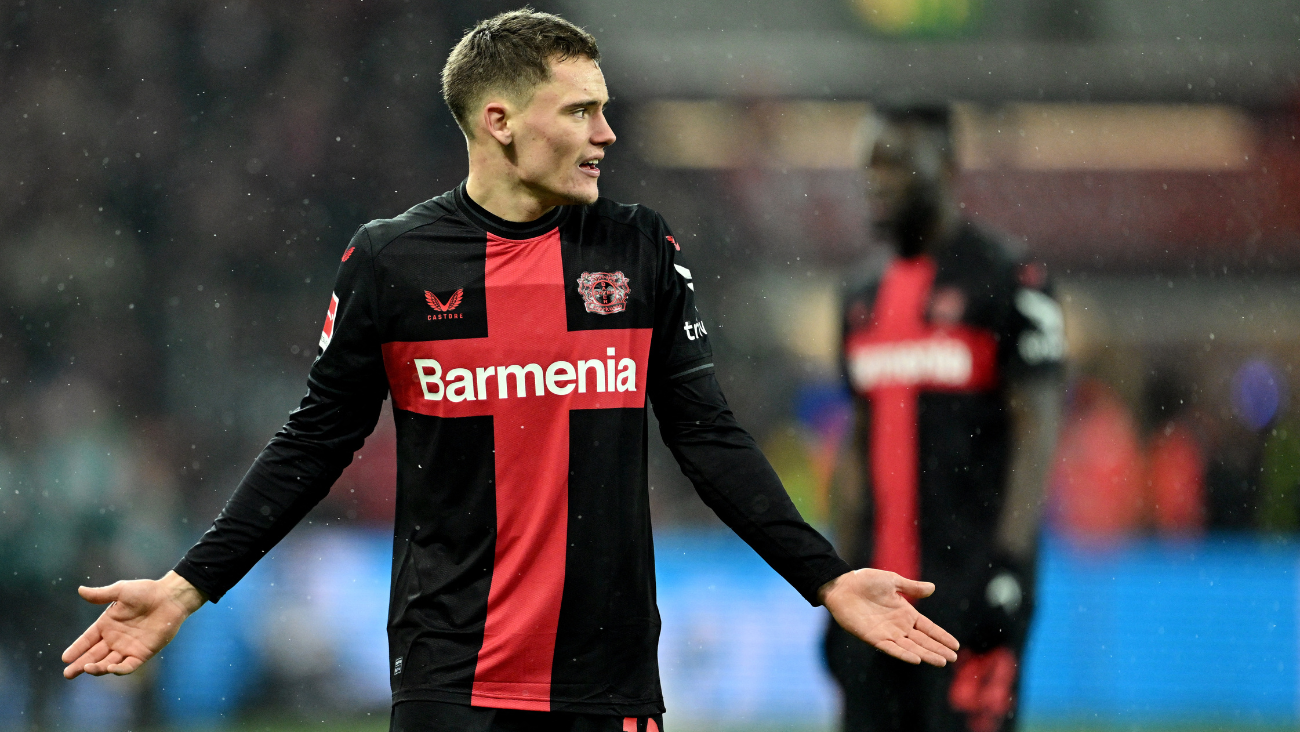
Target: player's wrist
180	591
825	590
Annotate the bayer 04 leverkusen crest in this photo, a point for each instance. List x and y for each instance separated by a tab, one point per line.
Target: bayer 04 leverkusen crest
604	292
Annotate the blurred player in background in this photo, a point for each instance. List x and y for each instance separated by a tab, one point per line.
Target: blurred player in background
953	352
519	323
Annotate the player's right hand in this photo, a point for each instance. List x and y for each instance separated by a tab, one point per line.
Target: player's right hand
142	616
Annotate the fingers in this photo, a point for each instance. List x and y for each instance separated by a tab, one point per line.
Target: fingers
73	670
913	589
99	668
86	661
898	652
127	666
920	652
932	629
932	645
97	653
82	644
100	595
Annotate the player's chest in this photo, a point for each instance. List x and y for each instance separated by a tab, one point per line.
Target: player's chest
934	332
519	293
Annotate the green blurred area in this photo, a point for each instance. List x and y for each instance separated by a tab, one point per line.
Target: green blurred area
1279	509
917	18
792	451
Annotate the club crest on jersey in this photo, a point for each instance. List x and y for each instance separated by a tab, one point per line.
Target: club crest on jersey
604	293
444	308
947	306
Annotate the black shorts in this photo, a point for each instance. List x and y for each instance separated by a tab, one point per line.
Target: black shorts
431	716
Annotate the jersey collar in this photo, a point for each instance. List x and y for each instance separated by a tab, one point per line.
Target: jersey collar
498	226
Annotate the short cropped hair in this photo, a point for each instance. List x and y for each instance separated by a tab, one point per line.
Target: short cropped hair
509	53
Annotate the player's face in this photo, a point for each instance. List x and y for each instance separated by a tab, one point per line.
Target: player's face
907	182
890	173
562	134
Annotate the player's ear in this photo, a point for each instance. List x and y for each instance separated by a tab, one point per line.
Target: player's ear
496	119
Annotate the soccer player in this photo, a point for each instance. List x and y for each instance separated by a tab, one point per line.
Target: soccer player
953	352
519	323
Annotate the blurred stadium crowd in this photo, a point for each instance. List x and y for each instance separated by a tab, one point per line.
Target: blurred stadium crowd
177	180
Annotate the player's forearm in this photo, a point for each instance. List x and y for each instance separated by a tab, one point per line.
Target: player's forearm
291	475
1035	410
258	515
735	480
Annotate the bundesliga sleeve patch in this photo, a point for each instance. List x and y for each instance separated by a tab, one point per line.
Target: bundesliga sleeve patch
328	331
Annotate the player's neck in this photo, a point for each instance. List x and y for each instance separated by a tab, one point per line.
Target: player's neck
491	185
936	237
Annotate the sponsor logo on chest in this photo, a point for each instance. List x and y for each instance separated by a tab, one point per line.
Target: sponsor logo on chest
471	383
931	361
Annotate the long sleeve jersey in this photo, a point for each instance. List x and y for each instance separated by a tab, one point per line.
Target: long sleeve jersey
519	358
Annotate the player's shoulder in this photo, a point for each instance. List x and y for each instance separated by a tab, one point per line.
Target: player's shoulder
986	259
989	247
382	232
634	218
632	214
1006	260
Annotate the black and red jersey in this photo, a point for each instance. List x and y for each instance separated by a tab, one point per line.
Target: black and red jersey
519	358
928	346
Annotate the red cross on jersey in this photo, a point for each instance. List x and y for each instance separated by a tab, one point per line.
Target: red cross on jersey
890	363
527	374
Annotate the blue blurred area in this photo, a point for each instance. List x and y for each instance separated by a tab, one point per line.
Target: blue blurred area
309	621
738	644
1168	632
1149	632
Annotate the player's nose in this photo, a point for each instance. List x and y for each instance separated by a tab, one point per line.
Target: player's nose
602	135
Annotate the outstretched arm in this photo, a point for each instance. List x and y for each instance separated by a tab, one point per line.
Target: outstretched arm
293	473
142	616
736	481
345	391
1034	404
290	476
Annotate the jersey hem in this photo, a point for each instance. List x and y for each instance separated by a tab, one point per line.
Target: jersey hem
632	708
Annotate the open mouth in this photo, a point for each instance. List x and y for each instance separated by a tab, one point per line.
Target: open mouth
591	166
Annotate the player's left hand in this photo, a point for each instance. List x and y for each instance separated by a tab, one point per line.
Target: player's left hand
873	605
